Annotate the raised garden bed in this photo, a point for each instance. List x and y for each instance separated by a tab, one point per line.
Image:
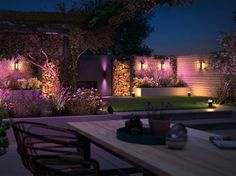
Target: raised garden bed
165	91
24	94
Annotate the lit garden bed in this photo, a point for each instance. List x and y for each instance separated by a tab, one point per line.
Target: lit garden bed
161	91
24	94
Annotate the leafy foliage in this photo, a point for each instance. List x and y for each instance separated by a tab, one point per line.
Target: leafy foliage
85	101
225	62
95	27
129	38
4	142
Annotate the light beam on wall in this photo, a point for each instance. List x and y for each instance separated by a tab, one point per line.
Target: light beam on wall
104	63
104	87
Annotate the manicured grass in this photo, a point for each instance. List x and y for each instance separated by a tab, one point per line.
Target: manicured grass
138	103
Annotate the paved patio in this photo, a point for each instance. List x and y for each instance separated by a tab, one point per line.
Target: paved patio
10	163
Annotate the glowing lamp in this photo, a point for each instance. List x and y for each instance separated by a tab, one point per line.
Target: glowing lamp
16	65
189	93
162	66
201	65
143	65
210	103
133	94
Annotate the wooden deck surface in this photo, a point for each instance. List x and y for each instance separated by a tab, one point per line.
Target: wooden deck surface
199	157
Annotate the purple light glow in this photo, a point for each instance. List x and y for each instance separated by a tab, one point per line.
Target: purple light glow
104	87
153	68
104	63
8	69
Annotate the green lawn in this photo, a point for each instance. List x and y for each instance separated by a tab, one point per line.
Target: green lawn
137	104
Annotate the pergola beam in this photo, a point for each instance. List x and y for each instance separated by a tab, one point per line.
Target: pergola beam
41	17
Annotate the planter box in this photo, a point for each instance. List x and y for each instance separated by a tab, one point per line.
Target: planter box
24	94
165	91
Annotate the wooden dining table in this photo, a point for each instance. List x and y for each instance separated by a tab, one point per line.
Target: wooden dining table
199	157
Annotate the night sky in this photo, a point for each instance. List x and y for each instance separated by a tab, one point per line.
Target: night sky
192	29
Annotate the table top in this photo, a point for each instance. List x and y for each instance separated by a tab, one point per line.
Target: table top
199	157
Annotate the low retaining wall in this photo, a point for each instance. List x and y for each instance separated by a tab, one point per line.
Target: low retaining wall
165	91
24	94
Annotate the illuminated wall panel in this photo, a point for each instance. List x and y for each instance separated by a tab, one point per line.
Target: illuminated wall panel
121	78
50	83
202	80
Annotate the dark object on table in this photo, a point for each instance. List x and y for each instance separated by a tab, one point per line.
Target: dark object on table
147	137
159	127
49	150
177	137
223	142
110	109
134	125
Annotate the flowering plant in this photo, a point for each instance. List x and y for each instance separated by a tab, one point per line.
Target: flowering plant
85	101
144	82
27	106
34	83
22	83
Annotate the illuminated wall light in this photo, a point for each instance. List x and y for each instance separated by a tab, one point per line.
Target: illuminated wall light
162	66
143	65
16	65
201	65
189	93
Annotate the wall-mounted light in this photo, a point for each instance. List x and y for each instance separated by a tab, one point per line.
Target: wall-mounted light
16	65
201	65
143	65
162	66
210	103
189	93
104	74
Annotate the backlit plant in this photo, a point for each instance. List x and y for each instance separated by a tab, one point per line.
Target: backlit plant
144	82
85	101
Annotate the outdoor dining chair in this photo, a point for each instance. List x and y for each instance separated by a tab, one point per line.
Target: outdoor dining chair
48	150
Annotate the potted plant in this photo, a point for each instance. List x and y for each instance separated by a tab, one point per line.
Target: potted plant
4	142
134	125
158	122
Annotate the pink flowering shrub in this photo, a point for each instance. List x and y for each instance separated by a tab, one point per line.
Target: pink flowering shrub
144	82
28	106
85	101
22	83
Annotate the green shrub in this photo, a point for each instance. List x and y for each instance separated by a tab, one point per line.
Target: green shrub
4	142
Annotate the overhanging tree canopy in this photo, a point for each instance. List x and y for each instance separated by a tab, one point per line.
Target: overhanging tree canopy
88	25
